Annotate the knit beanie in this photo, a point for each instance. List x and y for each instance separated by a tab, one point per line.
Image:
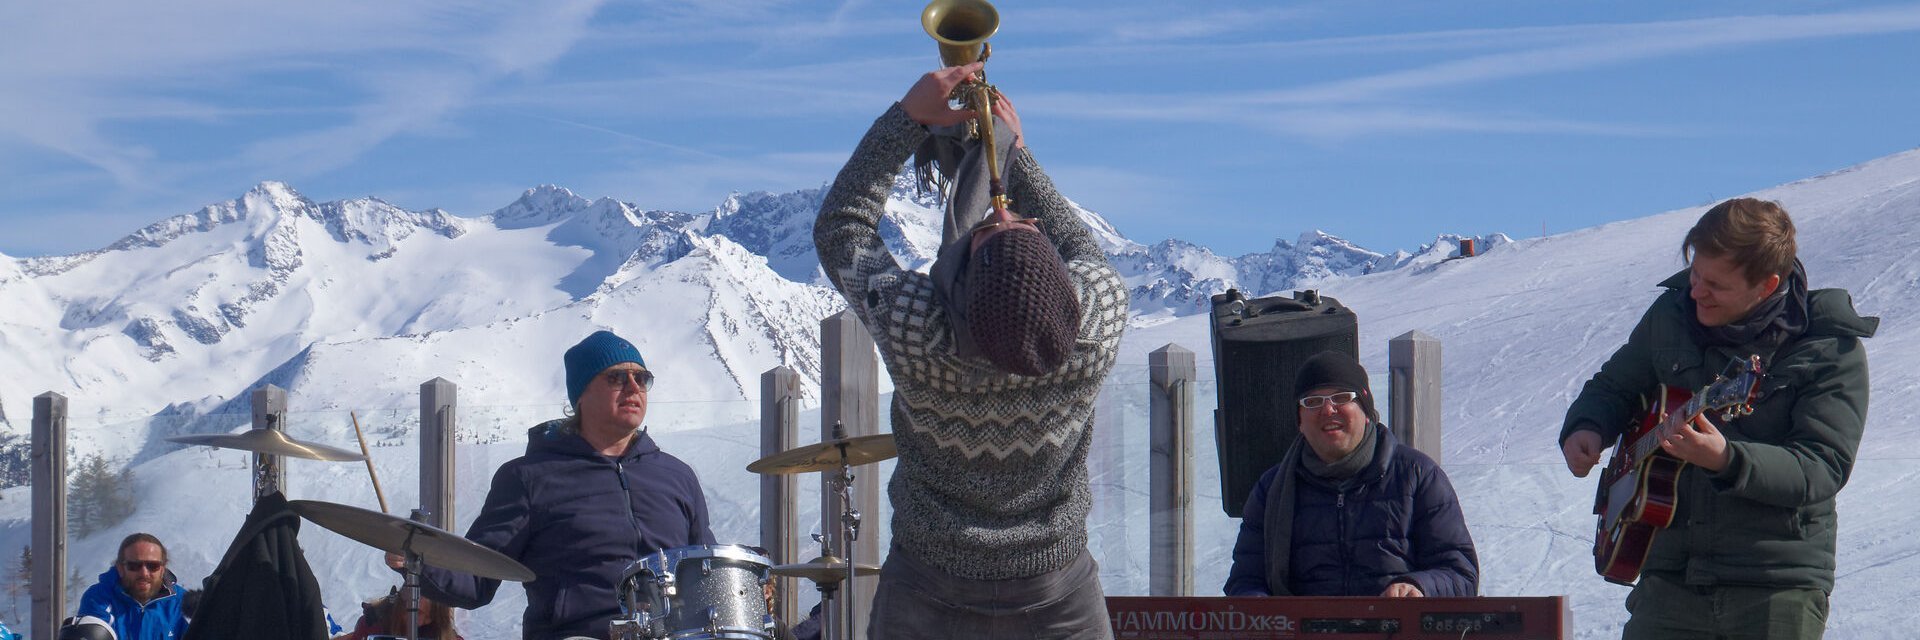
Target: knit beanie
592	356
1022	310
1335	370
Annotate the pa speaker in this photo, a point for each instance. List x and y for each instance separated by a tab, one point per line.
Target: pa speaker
1258	346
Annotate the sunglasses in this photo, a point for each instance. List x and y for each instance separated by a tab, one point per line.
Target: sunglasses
980	232
990	224
143	566
1338	399
619	378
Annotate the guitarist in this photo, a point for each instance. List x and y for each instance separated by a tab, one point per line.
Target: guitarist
1750	552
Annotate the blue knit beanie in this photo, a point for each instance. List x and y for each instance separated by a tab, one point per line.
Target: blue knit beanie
592	356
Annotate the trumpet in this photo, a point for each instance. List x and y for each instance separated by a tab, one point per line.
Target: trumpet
961	27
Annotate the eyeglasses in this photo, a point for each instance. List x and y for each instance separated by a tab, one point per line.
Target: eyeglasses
143	566
619	378
1338	399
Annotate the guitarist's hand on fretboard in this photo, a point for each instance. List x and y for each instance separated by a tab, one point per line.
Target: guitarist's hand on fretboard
1582	449
1698	443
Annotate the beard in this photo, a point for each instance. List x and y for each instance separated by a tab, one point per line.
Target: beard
143	593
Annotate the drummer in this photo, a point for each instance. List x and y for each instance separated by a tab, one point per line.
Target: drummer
592	494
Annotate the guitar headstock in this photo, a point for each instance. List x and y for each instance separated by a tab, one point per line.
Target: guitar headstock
1734	390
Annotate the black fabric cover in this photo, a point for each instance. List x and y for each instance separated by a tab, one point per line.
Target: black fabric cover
263	587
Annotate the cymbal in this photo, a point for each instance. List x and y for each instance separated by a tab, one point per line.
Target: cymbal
824	570
825	456
436	546
270	441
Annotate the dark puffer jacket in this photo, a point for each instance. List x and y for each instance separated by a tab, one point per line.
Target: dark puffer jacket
1399	522
1768	518
577	519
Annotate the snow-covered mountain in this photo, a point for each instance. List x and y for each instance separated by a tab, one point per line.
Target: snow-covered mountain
352	304
179	319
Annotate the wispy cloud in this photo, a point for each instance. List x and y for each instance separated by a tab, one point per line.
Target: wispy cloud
1156	23
1604	46
700	92
173	60
1390	102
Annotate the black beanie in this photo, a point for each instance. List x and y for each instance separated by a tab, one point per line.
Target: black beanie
1336	370
1022	311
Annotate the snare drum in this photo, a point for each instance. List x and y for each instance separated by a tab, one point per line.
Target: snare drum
702	592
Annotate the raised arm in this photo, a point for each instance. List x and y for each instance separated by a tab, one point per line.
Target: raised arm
846	235
1034	196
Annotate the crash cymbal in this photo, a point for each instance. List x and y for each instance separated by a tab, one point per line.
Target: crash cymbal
825	456
824	570
270	441
436	546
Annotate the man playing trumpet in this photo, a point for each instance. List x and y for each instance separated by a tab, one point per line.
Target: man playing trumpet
993	405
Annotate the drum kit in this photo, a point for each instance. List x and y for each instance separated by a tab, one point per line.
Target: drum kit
718	592
701	592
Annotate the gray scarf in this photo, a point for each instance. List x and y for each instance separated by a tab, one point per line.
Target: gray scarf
1341	471
952	162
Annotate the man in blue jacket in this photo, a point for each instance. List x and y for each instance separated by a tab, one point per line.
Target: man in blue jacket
592	494
137	596
1352	513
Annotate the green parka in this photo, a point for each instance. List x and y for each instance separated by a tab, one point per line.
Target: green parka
1768	518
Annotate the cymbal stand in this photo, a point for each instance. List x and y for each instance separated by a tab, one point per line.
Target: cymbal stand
842	483
828	592
412	580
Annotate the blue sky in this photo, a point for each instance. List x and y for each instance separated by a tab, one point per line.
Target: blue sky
1226	124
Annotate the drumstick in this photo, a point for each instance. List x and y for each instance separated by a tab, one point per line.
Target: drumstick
369	457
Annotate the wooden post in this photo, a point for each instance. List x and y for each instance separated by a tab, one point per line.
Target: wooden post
49	454
1414	362
1171	369
850	397
439	402
269	412
779	511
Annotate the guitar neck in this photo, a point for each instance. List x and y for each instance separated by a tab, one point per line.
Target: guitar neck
1646	445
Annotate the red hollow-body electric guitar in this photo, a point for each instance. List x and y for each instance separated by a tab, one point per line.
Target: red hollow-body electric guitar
1639	489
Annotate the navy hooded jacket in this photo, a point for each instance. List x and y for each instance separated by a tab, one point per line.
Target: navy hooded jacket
1399	522
577	519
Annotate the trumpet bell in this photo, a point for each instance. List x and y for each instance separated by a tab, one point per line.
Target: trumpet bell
961	27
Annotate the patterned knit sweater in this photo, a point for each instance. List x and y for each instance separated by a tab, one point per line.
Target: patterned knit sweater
992	478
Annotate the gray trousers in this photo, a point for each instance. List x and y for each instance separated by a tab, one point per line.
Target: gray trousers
919	602
1662	607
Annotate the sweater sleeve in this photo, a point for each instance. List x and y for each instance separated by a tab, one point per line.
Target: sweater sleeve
501	526
1103	293
846	235
1034	196
1445	564
1248	575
